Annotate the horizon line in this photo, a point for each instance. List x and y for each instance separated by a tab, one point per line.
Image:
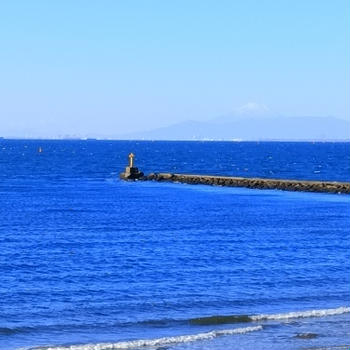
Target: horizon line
168	140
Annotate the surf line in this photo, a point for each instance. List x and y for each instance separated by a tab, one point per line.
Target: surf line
152	343
133	173
224	319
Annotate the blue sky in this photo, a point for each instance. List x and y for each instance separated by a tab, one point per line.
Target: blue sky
112	67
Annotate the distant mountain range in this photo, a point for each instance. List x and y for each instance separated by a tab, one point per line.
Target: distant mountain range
252	127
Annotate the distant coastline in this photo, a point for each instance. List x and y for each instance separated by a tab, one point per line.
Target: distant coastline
229	128
172	140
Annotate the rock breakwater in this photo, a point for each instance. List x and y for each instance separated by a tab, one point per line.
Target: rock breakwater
257	183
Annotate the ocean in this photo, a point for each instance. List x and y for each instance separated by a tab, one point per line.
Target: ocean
90	262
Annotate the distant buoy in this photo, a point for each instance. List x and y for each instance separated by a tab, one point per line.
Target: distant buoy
40	150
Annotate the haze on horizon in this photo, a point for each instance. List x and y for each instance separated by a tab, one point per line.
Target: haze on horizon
87	68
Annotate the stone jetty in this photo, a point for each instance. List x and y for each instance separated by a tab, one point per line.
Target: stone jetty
133	173
258	183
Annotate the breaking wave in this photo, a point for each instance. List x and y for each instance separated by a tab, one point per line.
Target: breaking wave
211	320
302	314
155	342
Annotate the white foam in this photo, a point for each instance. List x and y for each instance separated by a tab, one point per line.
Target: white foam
301	314
156	342
135	344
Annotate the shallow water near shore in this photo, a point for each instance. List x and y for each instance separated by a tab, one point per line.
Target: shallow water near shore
91	262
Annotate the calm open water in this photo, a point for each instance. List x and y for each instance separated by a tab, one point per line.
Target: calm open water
91	262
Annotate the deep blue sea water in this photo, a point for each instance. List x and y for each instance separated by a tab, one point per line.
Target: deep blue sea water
86	258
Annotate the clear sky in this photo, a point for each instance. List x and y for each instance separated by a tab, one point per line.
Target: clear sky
108	67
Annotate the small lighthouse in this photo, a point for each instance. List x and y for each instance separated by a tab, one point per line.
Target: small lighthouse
131	160
131	172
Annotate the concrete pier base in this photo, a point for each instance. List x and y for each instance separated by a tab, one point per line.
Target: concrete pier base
131	173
